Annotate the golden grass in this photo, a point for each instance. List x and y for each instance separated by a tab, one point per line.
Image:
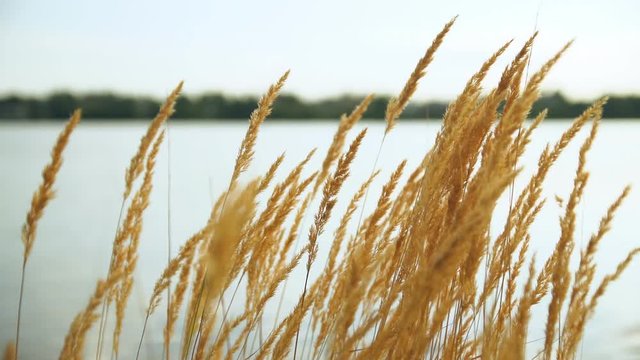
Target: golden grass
420	277
41	198
136	165
397	104
9	351
45	192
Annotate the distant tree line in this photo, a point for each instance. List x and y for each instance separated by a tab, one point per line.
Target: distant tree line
218	106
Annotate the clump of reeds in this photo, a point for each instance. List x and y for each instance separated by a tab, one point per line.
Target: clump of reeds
420	277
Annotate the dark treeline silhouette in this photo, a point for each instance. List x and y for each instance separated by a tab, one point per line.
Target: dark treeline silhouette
218	106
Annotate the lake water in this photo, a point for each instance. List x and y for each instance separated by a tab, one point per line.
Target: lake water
74	238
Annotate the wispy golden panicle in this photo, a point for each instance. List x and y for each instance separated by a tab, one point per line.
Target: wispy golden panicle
384	203
530	195
222	337
396	105
522	56
128	232
226	237
346	124
469	118
266	180
9	351
328	273
515	112
560	276
294	229
45	191
511	79
41	197
341	231
586	259
254	313
125	245
272	206
513	344
276	230
330	193
194	307
292	324
403	203
524	137
264	235
539	76
265	349
329	198
257	117
176	300
523	210
504	312
74	341
251	314
438	268
129	262
215	350
592	112
136	166
258	226
608	279
462	105
266	250
605	226
373	240
204	335
186	252
577	311
278	206
218	255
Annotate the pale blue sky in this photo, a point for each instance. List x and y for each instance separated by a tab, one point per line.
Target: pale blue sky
331	46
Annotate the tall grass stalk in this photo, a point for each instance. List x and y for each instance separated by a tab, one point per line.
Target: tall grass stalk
41	198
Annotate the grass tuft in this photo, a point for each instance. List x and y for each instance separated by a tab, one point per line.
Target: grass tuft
421	276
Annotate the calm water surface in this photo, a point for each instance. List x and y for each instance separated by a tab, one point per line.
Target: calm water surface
74	237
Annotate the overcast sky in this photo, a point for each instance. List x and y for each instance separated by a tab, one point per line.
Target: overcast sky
331	46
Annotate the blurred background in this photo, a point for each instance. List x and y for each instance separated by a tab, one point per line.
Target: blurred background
119	59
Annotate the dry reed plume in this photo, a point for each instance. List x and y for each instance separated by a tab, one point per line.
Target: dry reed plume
9	352
41	197
420	276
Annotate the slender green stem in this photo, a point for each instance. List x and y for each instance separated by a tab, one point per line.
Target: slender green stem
366	193
167	348
226	311
105	303
304	293
22	276
306	337
192	322
144	328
